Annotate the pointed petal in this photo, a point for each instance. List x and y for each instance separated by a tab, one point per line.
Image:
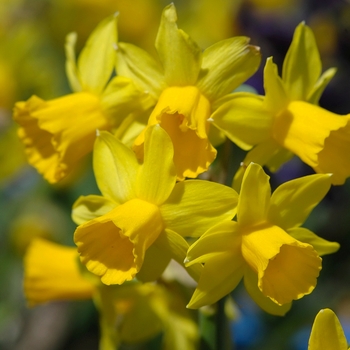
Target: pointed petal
302	64
97	59
316	92
322	246
244	120
220	276
179	55
52	272
71	67
90	207
327	332
195	205
256	186
115	168
177	246
275	92
157	175
226	65
292	202
141	67
251	285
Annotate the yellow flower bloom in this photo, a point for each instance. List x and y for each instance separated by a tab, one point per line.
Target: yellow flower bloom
187	87
288	120
278	259
143	215
59	132
327	332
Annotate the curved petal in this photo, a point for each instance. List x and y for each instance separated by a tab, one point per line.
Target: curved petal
115	168
244	120
275	92
97	59
220	276
136	64
254	198
226	65
316	92
179	55
251	285
113	246
86	208
71	67
195	205
177	247
292	202
52	272
322	246
217	240
157	175
327	332
302	64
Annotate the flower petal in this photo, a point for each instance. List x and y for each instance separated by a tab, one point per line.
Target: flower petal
136	64
86	208
113	246
251	285
316	92
243	119
52	272
226	65
322	246
115	168
157	175
302	64
97	59
327	332
292	202
220	276
254	198
71	67
179	55
195	205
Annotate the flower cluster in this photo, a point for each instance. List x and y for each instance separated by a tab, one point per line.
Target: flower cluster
154	125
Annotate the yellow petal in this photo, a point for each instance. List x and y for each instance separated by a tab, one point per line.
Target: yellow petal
179	55
320	138
226	65
71	67
321	84
157	175
115	168
292	202
322	246
52	272
86	208
97	59
183	113
251	285
113	246
327	332
302	64
243	119
287	269
58	133
254	198
195	205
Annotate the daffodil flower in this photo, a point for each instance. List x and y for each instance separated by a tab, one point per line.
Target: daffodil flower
279	260
327	332
187	86
58	133
288	120
143	214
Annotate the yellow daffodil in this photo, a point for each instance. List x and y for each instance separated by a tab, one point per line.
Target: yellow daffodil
327	332
288	119
279	260
59	132
187	86
53	273
143	215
